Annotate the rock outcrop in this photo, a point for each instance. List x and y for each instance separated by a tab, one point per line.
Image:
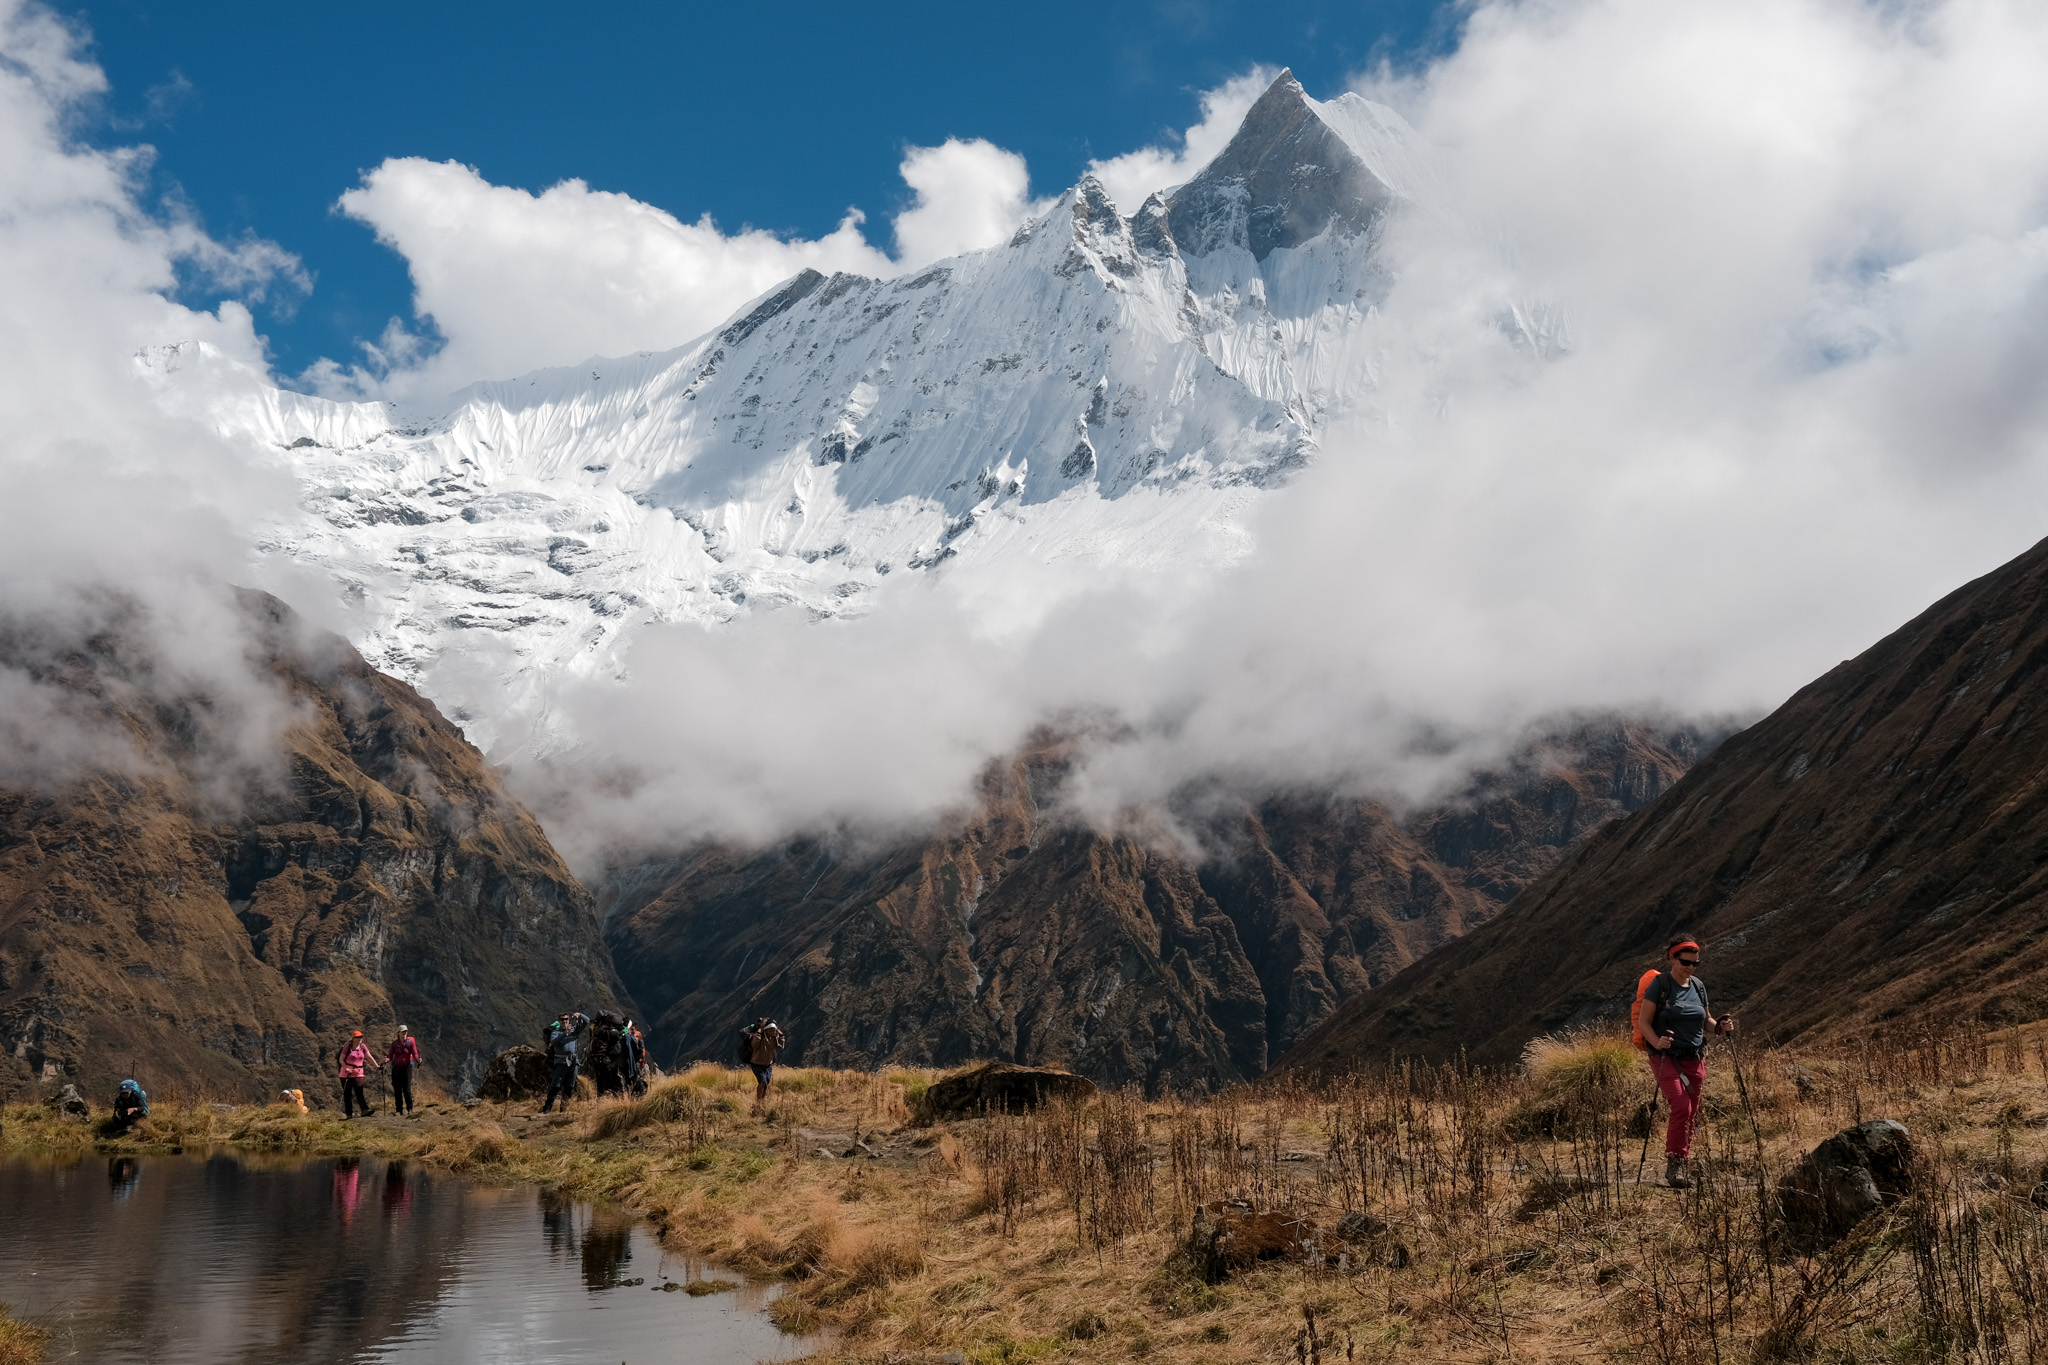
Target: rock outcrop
1850	1176
1021	936
1002	1088
1871	853
517	1073
220	939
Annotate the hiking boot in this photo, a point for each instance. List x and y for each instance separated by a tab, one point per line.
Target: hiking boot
1675	1173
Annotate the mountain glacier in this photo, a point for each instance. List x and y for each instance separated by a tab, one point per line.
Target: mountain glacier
1104	389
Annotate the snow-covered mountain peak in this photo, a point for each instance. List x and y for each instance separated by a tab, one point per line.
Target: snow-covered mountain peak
1106	389
1295	170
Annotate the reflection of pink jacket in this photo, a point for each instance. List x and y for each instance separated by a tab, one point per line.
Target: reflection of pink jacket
354	1058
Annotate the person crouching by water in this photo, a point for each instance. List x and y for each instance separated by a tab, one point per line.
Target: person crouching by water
403	1055
761	1042
1673	1018
131	1106
565	1049
355	1059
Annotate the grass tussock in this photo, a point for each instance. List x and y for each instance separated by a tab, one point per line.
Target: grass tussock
1574	1080
21	1343
676	1100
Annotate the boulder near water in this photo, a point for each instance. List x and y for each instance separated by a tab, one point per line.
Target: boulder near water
517	1073
1854	1173
69	1103
1001	1087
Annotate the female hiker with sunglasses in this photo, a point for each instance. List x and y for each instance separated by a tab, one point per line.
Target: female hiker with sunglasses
1673	1018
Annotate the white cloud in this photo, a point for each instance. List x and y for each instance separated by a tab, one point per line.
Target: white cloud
1134	175
515	281
113	516
970	194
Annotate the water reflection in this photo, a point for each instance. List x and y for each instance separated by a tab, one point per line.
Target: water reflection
397	1193
186	1259
599	1239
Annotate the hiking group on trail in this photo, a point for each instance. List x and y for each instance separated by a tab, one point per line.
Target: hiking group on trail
608	1043
1672	1017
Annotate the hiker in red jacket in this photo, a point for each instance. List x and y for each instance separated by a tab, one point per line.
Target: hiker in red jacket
355	1058
1673	1018
403	1056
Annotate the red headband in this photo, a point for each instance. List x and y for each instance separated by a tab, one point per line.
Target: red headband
1675	949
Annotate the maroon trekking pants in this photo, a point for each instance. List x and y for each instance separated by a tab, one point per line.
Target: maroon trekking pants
1680	1081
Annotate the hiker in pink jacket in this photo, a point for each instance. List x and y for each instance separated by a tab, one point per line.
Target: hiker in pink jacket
403	1056
355	1058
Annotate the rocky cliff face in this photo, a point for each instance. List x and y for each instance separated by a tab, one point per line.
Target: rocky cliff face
1873	851
1018	935
223	943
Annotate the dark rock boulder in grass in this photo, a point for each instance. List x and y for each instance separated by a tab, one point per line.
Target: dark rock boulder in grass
1850	1176
1001	1088
517	1073
1875	850
217	930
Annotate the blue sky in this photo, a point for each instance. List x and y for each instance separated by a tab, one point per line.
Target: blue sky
777	116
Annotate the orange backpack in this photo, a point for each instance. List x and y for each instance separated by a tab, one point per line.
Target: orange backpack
1635	1013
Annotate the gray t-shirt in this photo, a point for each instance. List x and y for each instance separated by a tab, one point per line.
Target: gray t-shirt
1682	1013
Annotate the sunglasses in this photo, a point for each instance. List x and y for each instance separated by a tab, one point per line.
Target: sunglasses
1687	961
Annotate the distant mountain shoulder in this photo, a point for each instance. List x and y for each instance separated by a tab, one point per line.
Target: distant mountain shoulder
1874	850
1020	935
220	944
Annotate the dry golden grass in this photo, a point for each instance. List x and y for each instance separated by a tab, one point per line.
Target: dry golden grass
21	1343
1060	1234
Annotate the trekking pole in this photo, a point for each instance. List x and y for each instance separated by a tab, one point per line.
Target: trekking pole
1649	1127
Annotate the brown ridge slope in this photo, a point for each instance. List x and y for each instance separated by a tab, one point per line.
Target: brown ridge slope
1018	935
1875	849
382	876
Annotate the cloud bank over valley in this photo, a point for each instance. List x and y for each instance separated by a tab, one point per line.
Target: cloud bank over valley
1713	356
